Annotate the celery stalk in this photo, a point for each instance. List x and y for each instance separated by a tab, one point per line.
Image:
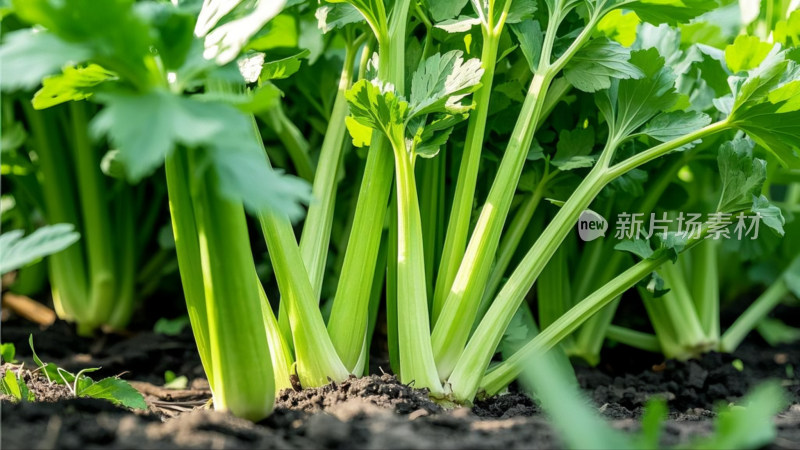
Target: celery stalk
237	335
351	302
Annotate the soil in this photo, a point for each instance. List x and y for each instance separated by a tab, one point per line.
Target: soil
370	412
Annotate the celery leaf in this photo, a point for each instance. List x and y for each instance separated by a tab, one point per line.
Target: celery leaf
441	81
19	251
28	56
574	148
671	12
116	391
593	67
75	83
335	16
376	105
672	125
530	36
630	103
443	10
742	175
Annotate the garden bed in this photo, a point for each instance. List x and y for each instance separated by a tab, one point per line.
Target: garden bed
374	412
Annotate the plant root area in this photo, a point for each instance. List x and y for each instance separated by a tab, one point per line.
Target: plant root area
370	412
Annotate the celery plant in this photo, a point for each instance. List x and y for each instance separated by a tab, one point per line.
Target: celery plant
447	304
214	163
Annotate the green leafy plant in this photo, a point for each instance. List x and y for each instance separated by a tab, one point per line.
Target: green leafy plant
19	251
112	389
460	125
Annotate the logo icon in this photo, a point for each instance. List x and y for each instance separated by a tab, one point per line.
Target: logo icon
591	225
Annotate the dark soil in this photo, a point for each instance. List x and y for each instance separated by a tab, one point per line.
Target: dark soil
371	412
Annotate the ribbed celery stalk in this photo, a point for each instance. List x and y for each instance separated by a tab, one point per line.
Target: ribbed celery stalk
237	334
316	235
413	329
292	139
553	289
484	341
222	290
281	354
128	259
508	245
758	310
67	268
461	211
432	207
463	300
391	291
95	223
351	302
375	300
316	357
504	373
681	310
187	248
705	287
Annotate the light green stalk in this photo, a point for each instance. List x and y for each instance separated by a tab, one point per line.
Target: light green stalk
416	357
636	339
504	373
681	311
478	352
461	211
431	173
757	311
67	268
237	336
705	287
292	139
187	248
463	300
316	235
316	357
351	301
95	223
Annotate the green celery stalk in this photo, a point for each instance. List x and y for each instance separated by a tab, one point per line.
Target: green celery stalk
351	302
316	356
637	339
292	139
504	373
126	243
431	173
375	301
316	235
67	268
705	288
488	334
508	246
553	289
237	335
458	224
280	352
665	330
681	309
392	338
187	248
757	311
95	223
413	328
463	300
